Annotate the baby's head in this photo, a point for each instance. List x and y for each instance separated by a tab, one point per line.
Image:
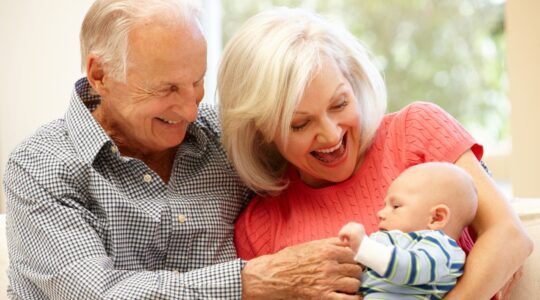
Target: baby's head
434	195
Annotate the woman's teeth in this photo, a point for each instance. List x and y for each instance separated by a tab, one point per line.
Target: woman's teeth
330	150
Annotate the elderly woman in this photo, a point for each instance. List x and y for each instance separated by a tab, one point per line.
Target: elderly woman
302	110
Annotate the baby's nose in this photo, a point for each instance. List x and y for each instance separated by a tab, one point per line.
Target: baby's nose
380	214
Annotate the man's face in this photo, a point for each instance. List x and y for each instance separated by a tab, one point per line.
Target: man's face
164	85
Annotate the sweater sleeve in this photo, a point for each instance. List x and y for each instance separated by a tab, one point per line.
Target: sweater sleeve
252	233
431	134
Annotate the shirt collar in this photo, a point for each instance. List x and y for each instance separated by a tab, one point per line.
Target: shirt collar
88	136
197	132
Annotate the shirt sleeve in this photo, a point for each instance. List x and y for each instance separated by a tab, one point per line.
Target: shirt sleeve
431	134
57	251
252	235
430	259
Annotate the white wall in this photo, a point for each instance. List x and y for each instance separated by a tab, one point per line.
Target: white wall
523	40
40	63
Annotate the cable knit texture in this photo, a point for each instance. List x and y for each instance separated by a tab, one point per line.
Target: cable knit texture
421	132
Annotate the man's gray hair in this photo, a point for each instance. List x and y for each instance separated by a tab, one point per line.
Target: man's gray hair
107	24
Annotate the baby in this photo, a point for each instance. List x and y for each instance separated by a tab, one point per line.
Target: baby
415	254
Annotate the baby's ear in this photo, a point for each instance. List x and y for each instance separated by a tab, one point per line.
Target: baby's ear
440	215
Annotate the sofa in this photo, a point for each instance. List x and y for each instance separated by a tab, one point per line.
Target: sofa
527	288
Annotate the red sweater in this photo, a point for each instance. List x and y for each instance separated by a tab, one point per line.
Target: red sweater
421	132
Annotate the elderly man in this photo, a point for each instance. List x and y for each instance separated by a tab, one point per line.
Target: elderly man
130	195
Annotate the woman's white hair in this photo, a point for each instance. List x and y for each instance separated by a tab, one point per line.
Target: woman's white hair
265	69
107	24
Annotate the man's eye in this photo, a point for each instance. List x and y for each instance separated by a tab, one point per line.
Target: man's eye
198	82
166	91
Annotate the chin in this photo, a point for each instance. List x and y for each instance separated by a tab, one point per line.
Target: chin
172	142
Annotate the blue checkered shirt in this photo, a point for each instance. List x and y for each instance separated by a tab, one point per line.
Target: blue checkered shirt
85	222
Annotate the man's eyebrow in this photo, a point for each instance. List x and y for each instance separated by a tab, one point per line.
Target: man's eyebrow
167	83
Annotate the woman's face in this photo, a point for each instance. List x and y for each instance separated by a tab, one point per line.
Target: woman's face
324	138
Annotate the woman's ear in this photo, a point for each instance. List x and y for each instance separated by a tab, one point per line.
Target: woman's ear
95	74
440	215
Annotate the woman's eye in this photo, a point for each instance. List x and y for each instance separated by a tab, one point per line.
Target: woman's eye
298	127
343	102
341	105
396	206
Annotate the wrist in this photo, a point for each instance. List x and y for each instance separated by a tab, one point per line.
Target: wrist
256	279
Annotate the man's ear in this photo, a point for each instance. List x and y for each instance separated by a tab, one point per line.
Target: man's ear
440	215
95	74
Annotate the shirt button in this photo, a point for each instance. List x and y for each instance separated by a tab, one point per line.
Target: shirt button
176	272
181	218
147	178
114	149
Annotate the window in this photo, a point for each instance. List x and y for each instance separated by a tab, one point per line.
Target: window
448	52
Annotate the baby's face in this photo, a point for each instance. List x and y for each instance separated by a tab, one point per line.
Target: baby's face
406	207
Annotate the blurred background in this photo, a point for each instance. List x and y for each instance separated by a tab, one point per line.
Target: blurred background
478	59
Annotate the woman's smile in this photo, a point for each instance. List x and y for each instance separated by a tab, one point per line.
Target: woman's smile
334	155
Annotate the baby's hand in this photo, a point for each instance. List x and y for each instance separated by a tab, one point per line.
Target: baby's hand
353	233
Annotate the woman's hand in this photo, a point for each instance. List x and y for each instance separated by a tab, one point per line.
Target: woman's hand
502	240
504	293
322	269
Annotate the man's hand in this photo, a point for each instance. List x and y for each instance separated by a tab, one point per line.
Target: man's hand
322	269
353	233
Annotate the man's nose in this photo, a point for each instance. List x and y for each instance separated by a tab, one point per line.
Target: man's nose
187	105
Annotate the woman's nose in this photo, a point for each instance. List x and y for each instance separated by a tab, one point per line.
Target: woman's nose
329	133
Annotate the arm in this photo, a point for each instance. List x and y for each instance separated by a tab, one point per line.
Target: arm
502	245
429	260
58	250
